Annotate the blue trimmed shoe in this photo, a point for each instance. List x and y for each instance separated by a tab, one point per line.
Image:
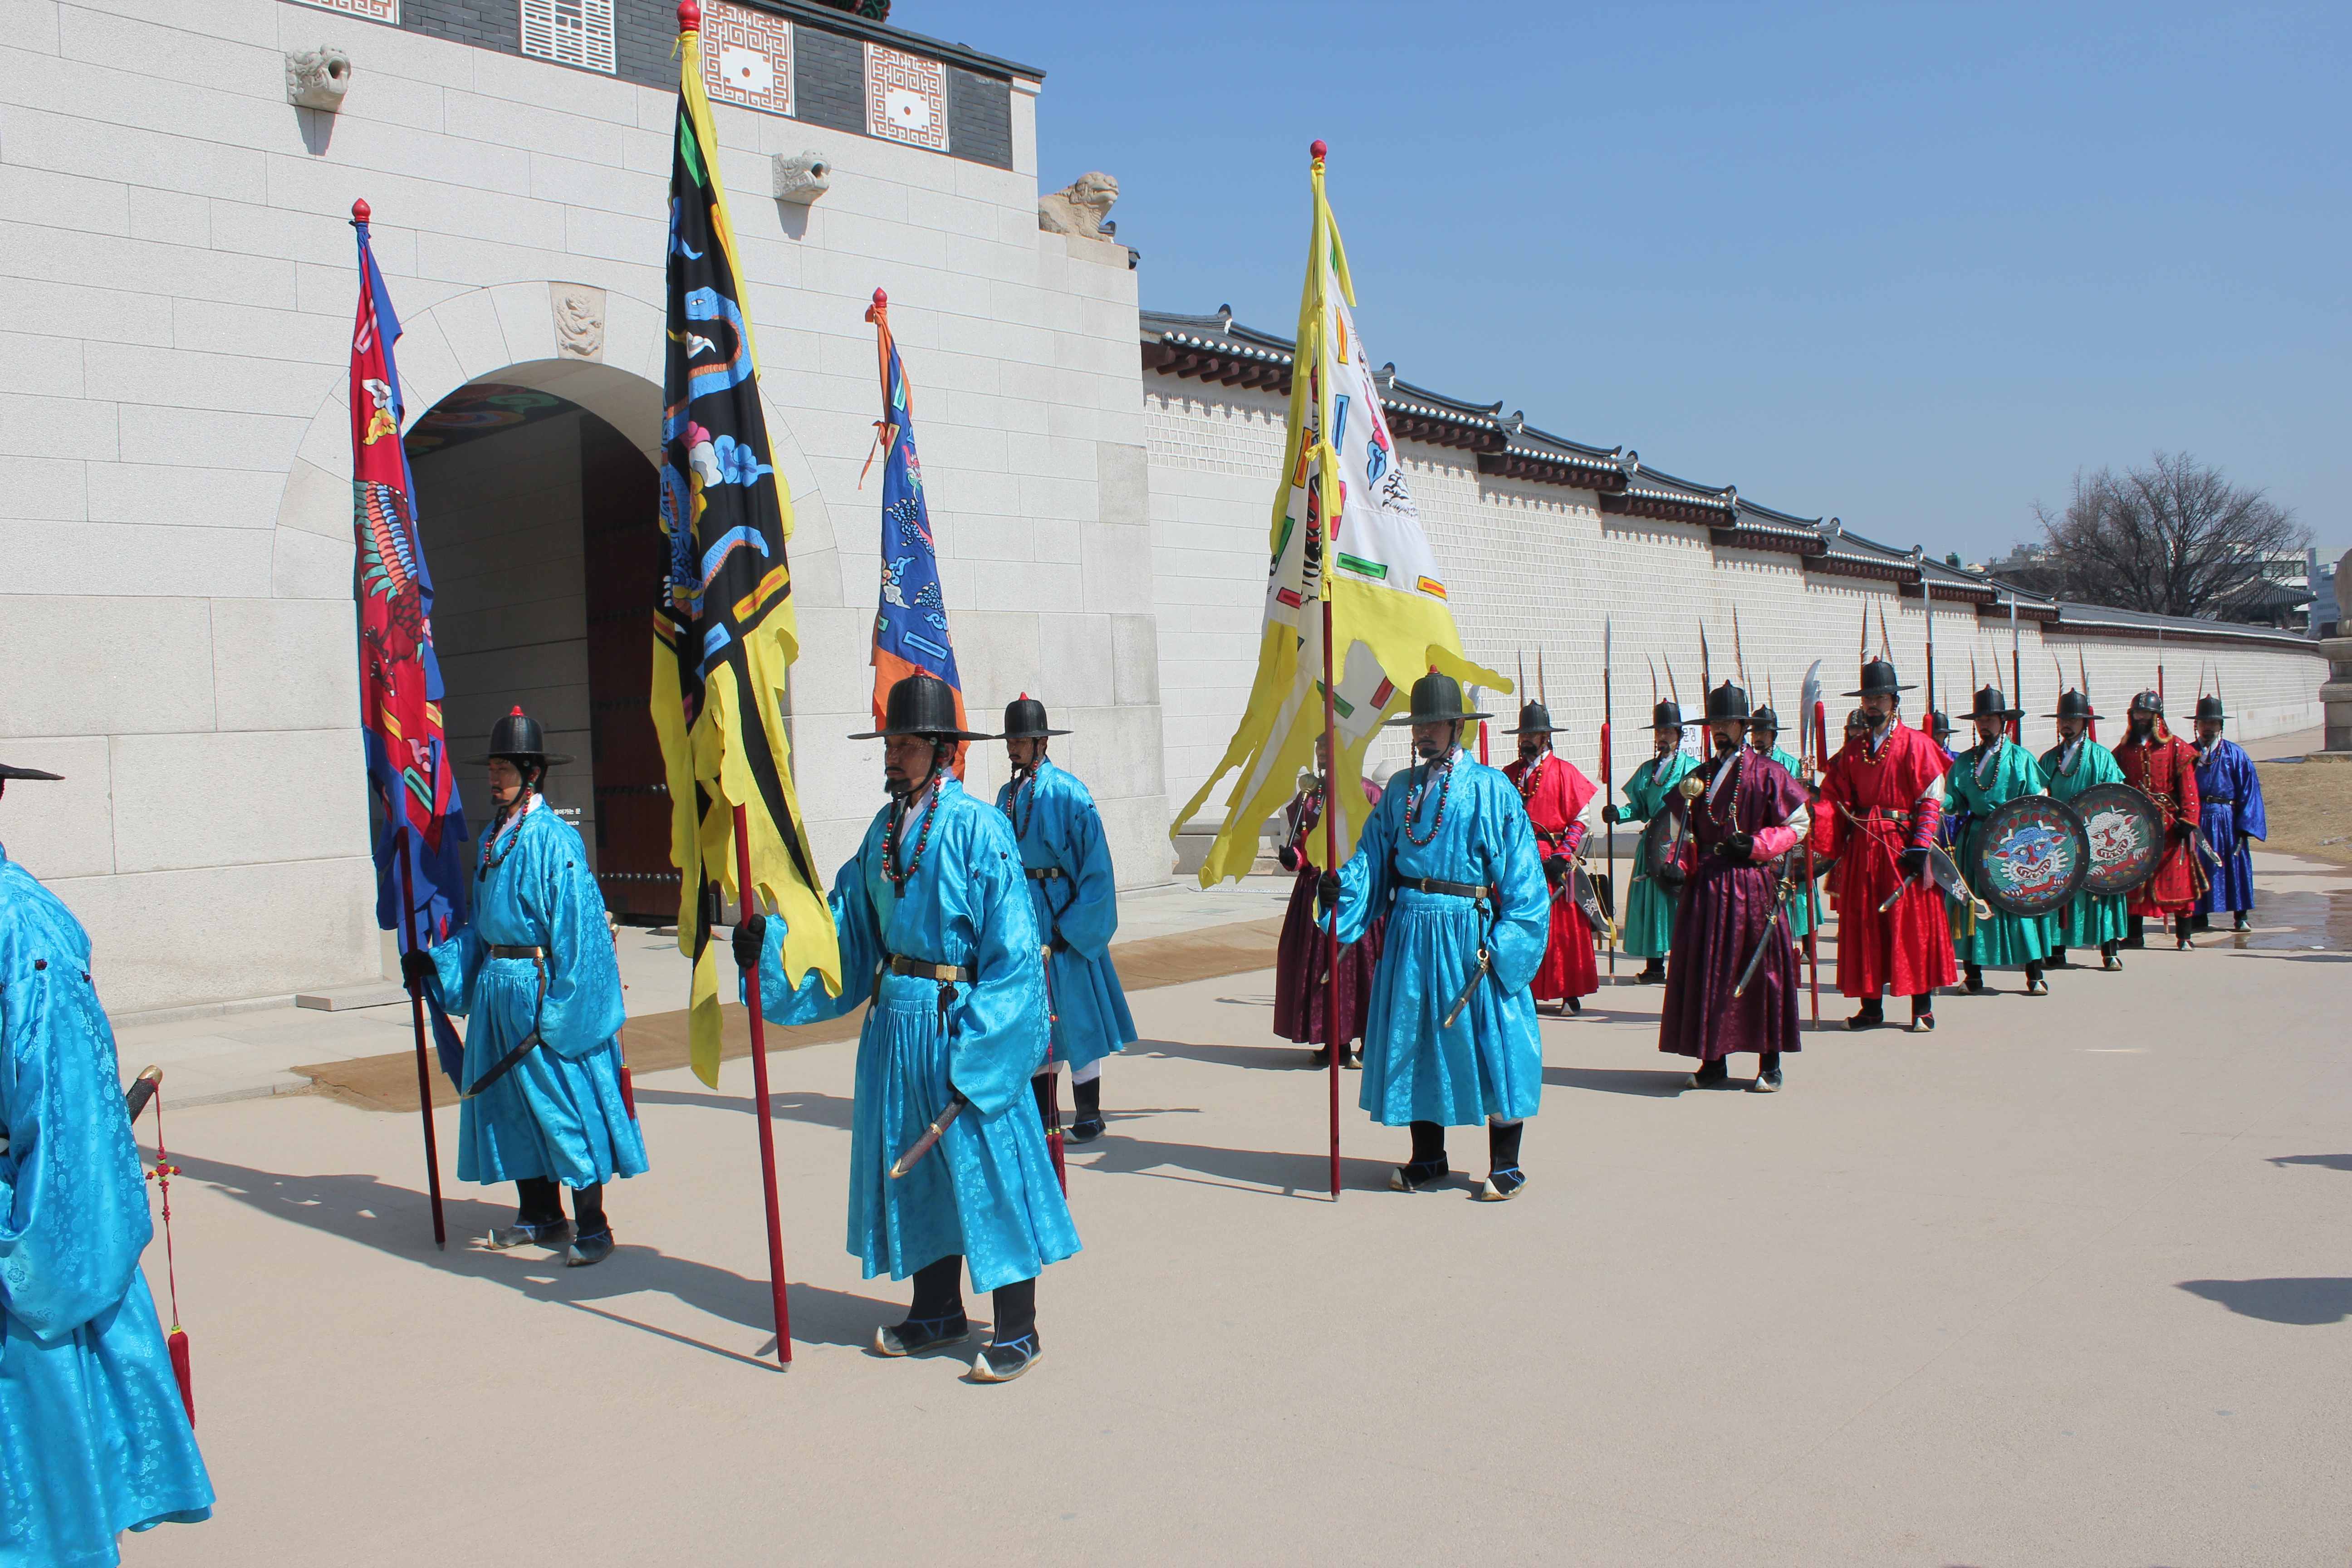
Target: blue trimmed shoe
1503	1186
1086	1129
918	1334
507	1237
1422	1176
587	1251
1003	1363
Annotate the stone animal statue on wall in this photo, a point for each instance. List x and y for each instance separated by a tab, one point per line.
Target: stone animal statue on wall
318	78
1079	209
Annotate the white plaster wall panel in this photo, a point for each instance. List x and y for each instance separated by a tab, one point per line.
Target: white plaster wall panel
599	187
103	150
67	310
267	674
205	437
34	426
1078	652
42	366
133	561
171	217
238	385
60	829
1135	660
289	338
55	666
158	780
187	497
31	25
260	924
54	256
238	21
50	489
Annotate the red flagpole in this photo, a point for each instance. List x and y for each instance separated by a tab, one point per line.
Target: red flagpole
416	1018
759	1090
1812	893
1331	863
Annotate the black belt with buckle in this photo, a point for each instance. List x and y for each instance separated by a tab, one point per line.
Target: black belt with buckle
531	952
1045	873
1458	889
923	968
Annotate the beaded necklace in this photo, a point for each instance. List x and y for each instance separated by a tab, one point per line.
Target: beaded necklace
1531	777
1421	791
1715	813
1988	758
509	825
1011	798
890	868
2070	757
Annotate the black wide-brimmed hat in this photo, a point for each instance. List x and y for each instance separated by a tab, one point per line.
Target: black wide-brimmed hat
1726	702
2071	705
1991	704
1024	719
519	736
1436	699
1666	716
1535	719
1878	680
2147	702
1764	719
922	704
6	772
2211	708
1939	724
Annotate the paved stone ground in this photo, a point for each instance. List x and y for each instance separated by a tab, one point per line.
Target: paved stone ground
2064	1283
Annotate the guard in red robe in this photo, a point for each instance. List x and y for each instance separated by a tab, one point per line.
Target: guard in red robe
2163	768
1881	801
1302	987
1557	796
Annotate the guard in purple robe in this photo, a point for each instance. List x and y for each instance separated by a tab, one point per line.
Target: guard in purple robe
1745	814
2229	816
1302	968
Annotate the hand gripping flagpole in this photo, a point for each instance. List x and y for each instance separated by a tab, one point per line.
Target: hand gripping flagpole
409	944
760	1094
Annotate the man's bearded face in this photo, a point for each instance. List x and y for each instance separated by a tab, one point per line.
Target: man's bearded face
2208	730
1431	742
1990	728
1533	746
2142	724
2073	729
1879	707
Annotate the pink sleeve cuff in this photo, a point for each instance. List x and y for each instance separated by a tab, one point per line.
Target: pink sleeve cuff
1773	842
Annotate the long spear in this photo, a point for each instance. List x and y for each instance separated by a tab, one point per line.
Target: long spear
2083	669
1812	719
1608	789
409	942
2016	672
760	1097
1928	598
1706	683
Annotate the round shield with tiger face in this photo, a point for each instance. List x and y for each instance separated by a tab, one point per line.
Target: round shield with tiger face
2029	856
2127	837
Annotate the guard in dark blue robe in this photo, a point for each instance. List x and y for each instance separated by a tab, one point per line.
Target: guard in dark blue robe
534	973
93	1438
1076	896
1449	859
947	1164
2229	816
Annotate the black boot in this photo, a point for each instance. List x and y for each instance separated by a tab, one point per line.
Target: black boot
2181	933
1504	1178
1013	1347
1575	1006
1872	1016
2107	959
592	1233
1089	1124
1923	1013
2243	924
1973	979
2034	984
539	1218
1427	1168
1710	1074
936	1316
1652	972
2058	959
1767	1074
2135	933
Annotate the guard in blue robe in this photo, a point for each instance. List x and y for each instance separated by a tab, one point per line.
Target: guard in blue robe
1449	860
534	973
937	928
93	1438
2230	815
1076	900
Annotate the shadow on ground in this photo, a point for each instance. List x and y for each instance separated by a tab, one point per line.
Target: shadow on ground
1620	1080
2331	1162
2307	1303
396	1220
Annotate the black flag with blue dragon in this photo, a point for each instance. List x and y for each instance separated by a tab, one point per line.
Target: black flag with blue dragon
724	630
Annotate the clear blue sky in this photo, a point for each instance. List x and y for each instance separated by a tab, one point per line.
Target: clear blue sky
1911	266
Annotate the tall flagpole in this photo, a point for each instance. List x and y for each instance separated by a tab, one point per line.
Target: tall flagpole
1607	785
409	942
761	1112
1317	519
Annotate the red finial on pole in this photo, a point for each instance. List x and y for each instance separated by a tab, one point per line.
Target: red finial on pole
689	16
1319	149
881	299
359	211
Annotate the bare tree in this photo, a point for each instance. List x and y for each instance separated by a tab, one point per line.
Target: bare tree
2174	538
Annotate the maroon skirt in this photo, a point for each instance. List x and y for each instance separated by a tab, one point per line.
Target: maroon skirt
1727	909
1301	988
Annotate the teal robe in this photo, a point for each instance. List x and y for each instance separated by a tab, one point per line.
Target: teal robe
558	1112
93	1438
987	1190
1077	911
1649	925
1800	908
1489	1064
1981	778
2091	919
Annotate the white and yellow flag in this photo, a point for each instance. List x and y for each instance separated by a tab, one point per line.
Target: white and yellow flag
1364	559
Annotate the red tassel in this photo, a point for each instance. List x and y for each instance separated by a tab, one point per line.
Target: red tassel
177	1343
628	1092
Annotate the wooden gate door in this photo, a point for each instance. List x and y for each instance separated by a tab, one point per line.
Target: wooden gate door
620	514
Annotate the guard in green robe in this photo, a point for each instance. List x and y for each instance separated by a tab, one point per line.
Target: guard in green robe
2071	767
1993	772
1649	928
1764	735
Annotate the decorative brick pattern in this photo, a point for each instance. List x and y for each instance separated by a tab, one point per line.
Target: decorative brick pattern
570	32
369	10
980	117
747	57
828	80
906	98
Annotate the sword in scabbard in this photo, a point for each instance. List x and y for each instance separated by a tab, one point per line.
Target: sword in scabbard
142	1090
1780	916
922	1145
1477	972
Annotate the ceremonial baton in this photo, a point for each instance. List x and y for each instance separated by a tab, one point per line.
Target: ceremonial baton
141	1090
922	1146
